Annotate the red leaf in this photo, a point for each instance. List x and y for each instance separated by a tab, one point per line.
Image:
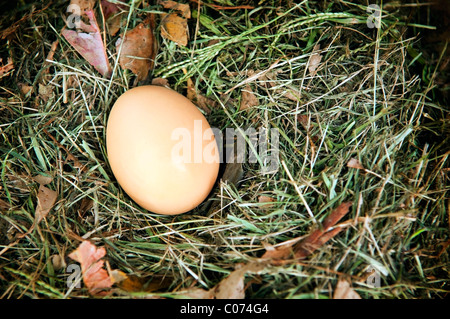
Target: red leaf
90	44
94	276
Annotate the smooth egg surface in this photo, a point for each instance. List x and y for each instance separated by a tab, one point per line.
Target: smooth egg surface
161	150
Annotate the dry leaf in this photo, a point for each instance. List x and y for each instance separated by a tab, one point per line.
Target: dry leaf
46	198
57	262
43	180
248	98
113	13
95	277
191	94
197	293
232	287
161	82
354	163
314	60
138	49
89	44
206	104
265	201
83	4
4	69
174	28
181	7
344	291
4	205
199	100
45	92
303	247
134	283
24	89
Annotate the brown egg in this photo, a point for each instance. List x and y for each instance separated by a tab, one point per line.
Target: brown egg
161	149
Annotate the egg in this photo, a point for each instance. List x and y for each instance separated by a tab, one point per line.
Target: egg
161	150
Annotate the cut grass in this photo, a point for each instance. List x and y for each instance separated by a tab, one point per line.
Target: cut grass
365	102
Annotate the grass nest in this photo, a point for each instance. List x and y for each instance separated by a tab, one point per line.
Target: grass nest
377	96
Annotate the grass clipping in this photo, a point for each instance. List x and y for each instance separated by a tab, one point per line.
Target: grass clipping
361	122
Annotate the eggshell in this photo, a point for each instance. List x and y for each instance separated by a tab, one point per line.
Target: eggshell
146	137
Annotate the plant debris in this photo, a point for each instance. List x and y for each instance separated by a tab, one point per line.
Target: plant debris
90	44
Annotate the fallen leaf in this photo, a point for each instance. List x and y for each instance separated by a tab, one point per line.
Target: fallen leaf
233	173
83	4
24	89
46	198
354	163
89	44
301	247
4	206
320	236
42	179
248	98
57	262
4	69
191	93
174	28
343	290
199	100
181	7
161	82
265	201
45	92
95	277
232	287
134	283
314	60
138	50
206	104
113	13
197	293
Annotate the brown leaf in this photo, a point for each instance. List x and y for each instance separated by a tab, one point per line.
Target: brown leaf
24	89
314	60
206	104
201	101
83	4
138	49
45	92
344	291
233	173
197	293
42	179
113	13
320	236
280	252
232	287
4	69
4	205
248	98
46	198
95	277
89	44
174	28
354	163
134	283
181	7
265	201
161	82
303	247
